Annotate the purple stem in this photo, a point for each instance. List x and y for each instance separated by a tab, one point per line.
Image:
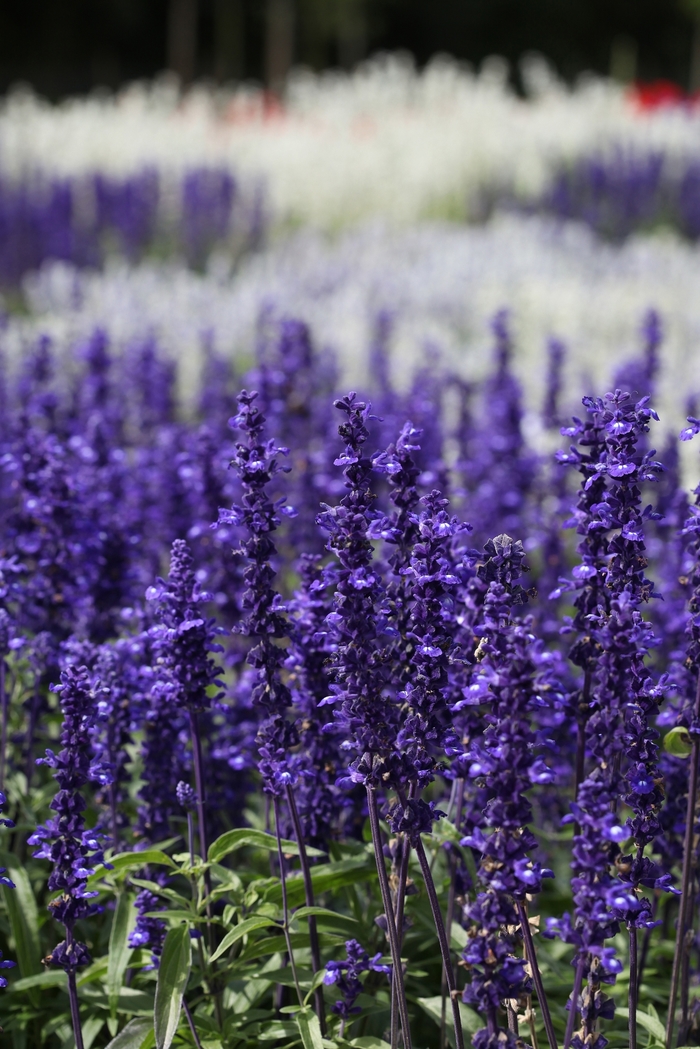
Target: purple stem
203	845
199	783
633	990
73	996
190	1021
687	876
571	1020
285	903
537	976
3	738
309	894
459	788
397	970
443	941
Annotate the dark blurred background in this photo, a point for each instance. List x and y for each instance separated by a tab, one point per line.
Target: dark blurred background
66	47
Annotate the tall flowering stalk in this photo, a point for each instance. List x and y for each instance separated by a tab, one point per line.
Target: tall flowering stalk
73	850
515	677
184	640
426	732
362	711
620	702
691	719
257	463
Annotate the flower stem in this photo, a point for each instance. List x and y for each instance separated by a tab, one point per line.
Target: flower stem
399	912
443	941
199	783
4	715
571	1020
73	996
537	976
634	988
309	894
190	1021
458	792
687	875
397	971
204	848
285	904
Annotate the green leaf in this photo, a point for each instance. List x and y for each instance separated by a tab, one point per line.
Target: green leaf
238	839
471	1022
24	921
91	1028
649	1023
129	861
133	1035
173	974
48	978
369	1042
322	912
119	951
249	925
309	1029
277	1029
326	877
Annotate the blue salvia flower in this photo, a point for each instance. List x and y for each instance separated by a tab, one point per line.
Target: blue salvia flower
426	734
183	638
321	805
499	471
73	851
257	463
619	698
517	678
4	880
346	977
357	668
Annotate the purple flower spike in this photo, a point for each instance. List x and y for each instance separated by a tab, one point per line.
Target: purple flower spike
346	977
73	850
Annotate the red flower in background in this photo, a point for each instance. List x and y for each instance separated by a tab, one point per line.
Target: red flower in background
660	94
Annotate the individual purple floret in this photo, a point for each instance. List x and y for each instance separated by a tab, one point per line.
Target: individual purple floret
346	977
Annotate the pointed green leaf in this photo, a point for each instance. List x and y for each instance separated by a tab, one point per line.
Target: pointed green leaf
649	1023
91	1028
48	978
119	951
24	921
369	1041
173	974
322	912
238	839
129	861
309	1029
249	925
133	1035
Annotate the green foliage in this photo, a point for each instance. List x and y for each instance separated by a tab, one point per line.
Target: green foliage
173	974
